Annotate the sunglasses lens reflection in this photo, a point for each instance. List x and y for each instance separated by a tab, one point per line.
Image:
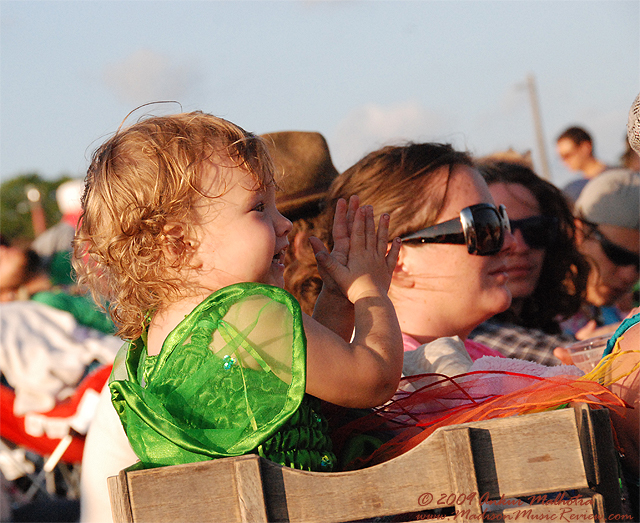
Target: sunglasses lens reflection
489	231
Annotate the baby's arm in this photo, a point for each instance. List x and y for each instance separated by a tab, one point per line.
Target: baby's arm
366	371
333	309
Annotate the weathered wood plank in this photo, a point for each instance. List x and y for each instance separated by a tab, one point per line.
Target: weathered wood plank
457	443
510	457
594	428
250	495
205	491
525	455
119	498
517	456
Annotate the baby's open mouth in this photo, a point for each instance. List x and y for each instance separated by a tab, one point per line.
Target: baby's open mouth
279	257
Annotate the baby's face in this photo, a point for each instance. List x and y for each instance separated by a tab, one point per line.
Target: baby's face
242	236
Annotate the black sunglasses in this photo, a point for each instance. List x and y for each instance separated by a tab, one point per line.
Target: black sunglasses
480	227
538	232
616	254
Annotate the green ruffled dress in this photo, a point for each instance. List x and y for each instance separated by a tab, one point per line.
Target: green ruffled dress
229	380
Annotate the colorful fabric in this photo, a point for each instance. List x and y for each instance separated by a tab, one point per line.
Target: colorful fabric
514	341
230	380
427	402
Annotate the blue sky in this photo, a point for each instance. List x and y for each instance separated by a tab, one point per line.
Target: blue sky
362	73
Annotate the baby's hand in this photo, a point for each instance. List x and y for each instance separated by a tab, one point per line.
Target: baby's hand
359	264
342	227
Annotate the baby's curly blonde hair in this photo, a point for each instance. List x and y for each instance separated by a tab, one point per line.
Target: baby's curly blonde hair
141	183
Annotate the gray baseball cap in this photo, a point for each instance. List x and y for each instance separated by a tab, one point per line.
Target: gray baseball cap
612	198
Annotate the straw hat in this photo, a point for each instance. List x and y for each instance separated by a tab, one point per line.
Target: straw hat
304	171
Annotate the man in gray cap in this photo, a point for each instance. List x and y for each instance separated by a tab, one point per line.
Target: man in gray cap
607	216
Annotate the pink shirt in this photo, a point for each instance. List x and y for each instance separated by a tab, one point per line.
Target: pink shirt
475	349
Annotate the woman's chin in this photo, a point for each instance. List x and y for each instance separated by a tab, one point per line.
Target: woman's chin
501	302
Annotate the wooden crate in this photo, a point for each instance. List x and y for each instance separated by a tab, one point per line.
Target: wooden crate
512	458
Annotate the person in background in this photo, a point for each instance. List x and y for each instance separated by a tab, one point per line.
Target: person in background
607	233
21	272
451	271
303	172
547	274
54	245
575	148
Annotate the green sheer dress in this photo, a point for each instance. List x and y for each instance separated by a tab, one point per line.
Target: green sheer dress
229	380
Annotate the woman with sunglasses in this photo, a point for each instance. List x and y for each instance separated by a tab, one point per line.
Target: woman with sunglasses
451	271
547	274
607	221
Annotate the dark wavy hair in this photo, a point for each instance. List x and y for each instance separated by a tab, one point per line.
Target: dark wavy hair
563	278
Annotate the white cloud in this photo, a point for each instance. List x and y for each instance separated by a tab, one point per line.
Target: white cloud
146	76
370	126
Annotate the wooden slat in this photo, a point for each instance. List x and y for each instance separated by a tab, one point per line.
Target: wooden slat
457	443
386	489
205	491
594	428
516	456
250	495
526	455
119	498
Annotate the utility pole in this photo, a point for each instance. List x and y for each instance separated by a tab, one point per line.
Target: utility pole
537	122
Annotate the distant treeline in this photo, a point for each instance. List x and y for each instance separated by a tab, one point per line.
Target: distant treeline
15	206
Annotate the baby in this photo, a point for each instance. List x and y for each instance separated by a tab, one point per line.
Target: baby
180	235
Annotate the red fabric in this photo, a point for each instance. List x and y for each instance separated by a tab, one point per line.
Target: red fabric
476	350
12	427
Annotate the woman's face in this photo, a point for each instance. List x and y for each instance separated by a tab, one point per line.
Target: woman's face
450	290
607	281
13	263
523	263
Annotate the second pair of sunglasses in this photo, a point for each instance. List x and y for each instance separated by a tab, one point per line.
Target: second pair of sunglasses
617	255
480	227
538	232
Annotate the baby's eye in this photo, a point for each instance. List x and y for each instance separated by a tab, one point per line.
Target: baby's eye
260	207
